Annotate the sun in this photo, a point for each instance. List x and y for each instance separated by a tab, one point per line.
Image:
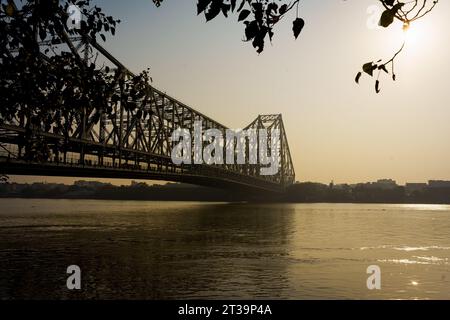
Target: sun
412	35
420	35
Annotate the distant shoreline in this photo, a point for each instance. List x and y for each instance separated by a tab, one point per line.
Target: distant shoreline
214	200
306	192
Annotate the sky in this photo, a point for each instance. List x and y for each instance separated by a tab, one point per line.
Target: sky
337	130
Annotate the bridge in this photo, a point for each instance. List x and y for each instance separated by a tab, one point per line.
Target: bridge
119	142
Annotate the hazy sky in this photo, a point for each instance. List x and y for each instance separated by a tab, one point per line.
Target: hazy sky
337	130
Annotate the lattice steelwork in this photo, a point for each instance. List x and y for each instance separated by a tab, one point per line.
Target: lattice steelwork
132	144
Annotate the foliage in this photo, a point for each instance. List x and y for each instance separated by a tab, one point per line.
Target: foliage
260	17
407	13
49	85
44	78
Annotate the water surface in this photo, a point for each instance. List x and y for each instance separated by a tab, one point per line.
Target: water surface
187	250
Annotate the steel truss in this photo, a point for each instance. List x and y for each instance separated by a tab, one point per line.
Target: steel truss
134	144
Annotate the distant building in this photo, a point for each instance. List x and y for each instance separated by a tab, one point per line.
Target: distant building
385	184
412	187
90	184
438	184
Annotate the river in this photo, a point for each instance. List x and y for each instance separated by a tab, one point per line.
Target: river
193	250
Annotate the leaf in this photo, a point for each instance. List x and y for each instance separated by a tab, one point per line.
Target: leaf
271	7
241	6
214	10
243	15
103	37
389	3
225	9
369	68
387	18
358	76
377	86
297	27
202	5
283	9
383	67
258	11
258	41
251	30
233	5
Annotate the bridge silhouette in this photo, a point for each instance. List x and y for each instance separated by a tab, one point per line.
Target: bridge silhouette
130	144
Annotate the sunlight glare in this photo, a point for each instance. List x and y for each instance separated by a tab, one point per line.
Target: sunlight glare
412	35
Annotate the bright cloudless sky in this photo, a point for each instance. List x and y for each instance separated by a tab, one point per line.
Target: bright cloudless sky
337	130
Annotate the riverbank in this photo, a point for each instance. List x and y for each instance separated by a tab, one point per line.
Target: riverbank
297	193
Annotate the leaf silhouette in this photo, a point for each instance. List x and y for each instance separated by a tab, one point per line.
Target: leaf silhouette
369	68
383	67
202	5
214	10
241	5
358	76
233	5
387	18
243	14
297	27
377	86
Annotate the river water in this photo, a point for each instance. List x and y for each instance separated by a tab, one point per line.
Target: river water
189	250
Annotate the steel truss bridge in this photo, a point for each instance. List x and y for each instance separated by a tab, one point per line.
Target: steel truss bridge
131	144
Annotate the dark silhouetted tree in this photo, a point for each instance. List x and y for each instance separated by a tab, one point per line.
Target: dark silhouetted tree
44	79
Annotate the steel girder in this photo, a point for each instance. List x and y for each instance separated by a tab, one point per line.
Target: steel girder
133	142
